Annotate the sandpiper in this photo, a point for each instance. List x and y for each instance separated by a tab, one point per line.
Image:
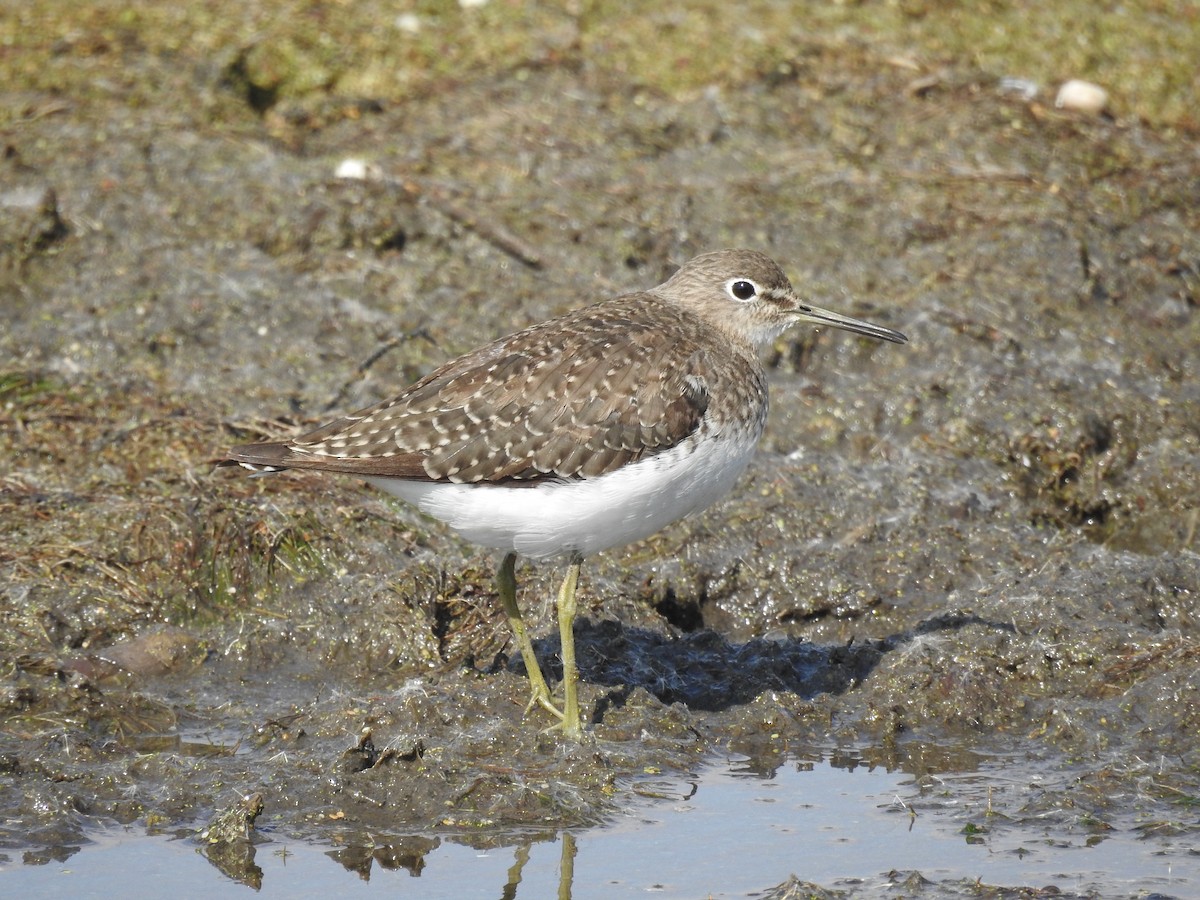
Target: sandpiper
591	430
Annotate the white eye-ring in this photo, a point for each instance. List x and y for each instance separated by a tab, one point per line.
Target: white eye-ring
741	289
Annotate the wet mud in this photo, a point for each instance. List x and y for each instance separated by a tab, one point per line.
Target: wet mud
984	539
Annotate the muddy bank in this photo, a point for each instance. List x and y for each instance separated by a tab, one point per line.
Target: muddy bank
984	539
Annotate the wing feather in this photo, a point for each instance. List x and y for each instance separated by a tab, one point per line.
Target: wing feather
576	397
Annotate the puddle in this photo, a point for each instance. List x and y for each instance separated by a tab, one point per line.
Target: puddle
730	831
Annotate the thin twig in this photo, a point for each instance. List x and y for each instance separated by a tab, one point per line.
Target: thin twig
378	354
492	232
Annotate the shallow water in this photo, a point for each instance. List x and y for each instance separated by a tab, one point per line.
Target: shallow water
728	831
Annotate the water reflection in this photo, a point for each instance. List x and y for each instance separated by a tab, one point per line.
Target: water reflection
879	817
671	803
406	853
566	868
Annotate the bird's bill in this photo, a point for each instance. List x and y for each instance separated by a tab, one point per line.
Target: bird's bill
818	316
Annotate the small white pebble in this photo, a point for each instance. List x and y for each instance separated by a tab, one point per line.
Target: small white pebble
471	4
409	23
1082	96
351	168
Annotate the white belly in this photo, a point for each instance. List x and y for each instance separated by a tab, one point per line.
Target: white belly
586	516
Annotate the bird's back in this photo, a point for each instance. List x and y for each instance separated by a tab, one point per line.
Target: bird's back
576	397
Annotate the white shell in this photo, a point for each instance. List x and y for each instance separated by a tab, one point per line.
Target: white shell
1082	96
409	23
355	169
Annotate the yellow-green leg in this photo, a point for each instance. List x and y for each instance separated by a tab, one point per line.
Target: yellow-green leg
506	582
571	725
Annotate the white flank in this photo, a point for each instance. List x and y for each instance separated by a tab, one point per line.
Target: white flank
589	515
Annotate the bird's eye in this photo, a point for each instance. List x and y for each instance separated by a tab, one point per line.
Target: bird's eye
741	289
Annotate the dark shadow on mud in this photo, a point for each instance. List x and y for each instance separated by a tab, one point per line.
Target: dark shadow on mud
706	671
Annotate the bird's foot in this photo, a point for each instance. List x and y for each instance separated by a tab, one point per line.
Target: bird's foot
543	699
571	726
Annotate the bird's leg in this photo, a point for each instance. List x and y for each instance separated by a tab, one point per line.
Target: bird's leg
571	725
506	582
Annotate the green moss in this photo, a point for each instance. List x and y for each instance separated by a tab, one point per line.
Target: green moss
142	531
23	388
289	49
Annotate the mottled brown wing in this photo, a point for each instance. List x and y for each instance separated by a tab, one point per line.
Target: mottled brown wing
573	398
